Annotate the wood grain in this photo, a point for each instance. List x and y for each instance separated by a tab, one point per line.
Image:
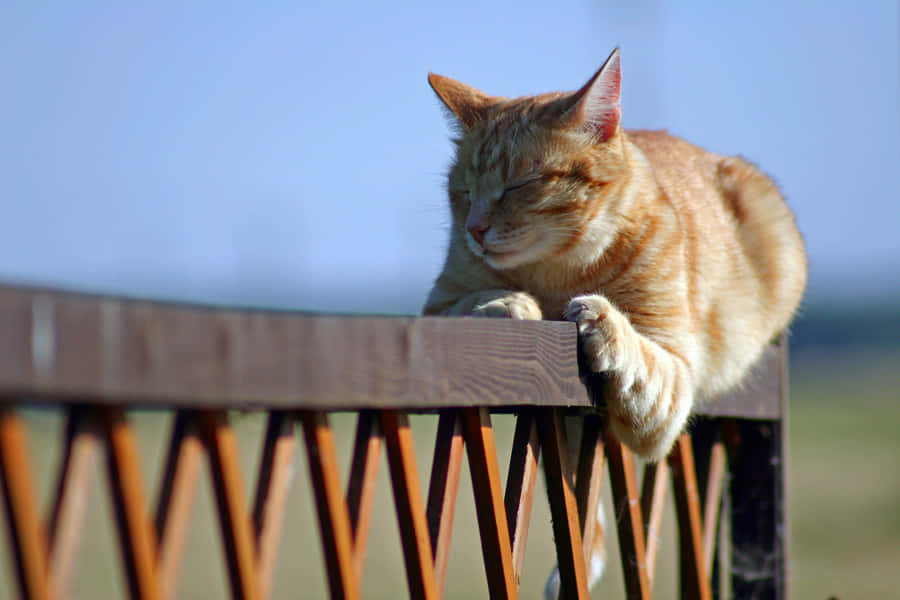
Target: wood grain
60	345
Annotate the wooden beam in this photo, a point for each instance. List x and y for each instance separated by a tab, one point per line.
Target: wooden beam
66	346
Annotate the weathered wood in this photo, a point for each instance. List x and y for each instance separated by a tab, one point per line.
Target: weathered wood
563	507
70	500
26	533
137	538
59	345
694	580
441	505
334	521
520	480
276	473
361	485
409	506
495	545
629	519
234	521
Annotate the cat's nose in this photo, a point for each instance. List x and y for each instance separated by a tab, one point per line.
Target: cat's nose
477	231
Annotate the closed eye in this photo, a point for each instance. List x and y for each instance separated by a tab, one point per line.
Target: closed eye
521	184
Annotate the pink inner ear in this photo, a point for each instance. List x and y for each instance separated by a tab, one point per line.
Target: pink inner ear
598	108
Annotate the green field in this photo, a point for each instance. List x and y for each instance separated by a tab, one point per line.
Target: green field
844	503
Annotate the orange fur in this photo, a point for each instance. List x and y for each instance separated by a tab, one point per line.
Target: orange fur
678	265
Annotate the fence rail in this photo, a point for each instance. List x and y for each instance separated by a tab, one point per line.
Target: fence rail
96	357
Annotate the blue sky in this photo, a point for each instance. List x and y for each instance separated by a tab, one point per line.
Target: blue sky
292	154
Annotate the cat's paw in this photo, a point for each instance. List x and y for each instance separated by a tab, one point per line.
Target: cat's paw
600	331
516	305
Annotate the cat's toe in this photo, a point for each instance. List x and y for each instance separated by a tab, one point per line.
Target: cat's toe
516	306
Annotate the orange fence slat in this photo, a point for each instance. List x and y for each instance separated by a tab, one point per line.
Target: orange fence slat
136	536
520	480
184	458
495	545
29	544
442	490
270	500
694	580
588	483
653	499
361	484
410	508
71	496
234	522
563	507
629	519
334	522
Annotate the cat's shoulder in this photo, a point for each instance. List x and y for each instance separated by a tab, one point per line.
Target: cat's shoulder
658	143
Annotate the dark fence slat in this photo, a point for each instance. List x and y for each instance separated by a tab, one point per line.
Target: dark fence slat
176	498
409	506
331	506
694	580
270	500
234	520
361	485
520	480
495	545
442	489
653	500
563	507
137	539
72	493
629	519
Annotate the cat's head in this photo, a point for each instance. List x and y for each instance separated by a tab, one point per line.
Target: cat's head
531	174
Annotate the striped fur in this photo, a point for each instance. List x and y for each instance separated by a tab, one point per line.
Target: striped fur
678	265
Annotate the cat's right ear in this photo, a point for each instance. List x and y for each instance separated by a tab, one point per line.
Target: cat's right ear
463	102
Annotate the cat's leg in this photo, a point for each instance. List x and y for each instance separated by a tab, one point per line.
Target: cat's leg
495	303
649	395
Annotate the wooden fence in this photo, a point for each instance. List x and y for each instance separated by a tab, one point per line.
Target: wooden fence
96	357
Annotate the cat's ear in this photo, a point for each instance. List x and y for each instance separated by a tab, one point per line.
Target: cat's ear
595	107
464	102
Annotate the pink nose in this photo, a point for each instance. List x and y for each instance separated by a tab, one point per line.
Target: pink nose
477	230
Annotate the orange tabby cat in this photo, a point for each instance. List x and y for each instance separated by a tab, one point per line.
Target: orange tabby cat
678	265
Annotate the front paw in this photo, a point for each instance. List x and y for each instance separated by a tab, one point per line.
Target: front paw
517	305
599	330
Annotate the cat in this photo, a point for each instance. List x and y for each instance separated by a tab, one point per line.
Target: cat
678	265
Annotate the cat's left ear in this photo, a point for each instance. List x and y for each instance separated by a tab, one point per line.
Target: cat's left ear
595	107
467	104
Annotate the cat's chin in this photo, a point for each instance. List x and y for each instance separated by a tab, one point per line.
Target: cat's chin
509	260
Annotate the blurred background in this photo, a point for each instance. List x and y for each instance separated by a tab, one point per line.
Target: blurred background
292	156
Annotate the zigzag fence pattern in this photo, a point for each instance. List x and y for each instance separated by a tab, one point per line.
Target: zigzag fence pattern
95	357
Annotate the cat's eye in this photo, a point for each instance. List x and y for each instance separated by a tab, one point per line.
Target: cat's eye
521	184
